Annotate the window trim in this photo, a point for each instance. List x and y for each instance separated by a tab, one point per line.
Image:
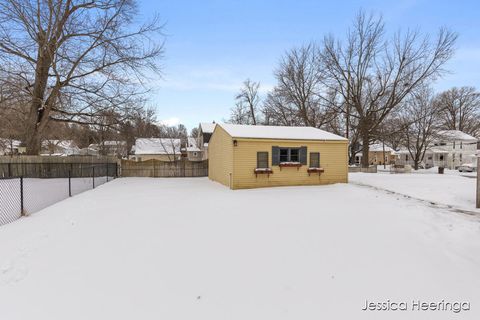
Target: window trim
258	159
289	154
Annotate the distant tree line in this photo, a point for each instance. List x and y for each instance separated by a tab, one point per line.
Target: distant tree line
368	87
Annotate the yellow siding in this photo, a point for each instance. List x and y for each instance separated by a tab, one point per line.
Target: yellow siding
376	157
333	158
220	152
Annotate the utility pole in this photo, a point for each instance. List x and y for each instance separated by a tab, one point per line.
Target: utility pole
478	181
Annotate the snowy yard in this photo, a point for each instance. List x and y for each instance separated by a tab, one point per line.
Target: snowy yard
142	248
453	188
39	193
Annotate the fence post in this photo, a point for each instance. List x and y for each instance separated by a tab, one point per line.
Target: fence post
9	169
22	210
69	183
107	171
478	181
93	176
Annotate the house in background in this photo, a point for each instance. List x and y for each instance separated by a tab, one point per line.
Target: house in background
450	149
110	148
59	148
376	155
193	152
164	149
11	147
244	156
204	133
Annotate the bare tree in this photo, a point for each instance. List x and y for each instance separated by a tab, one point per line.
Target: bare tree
140	124
297	97
374	75
194	132
172	140
246	104
419	123
277	111
74	58
461	110
239	114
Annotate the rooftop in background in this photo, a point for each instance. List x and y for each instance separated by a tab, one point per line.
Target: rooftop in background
278	132
192	145
207	127
378	146
114	143
157	146
456	135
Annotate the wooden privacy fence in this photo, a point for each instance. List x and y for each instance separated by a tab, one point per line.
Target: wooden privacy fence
158	168
371	169
57	167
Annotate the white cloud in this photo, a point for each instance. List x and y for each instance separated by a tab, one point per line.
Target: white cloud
226	79
170	122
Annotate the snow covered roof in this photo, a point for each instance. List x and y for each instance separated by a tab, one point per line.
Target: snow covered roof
379	147
60	143
207	127
108	143
456	135
192	145
114	143
278	132
60	147
157	146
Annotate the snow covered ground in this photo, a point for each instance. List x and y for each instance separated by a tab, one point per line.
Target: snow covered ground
39	194
453	188
188	248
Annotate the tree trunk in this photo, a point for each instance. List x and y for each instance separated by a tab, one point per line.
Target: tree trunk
383	154
32	143
365	148
252	111
38	110
32	137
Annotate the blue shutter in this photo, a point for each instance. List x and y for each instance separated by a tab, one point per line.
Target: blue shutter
303	155
275	156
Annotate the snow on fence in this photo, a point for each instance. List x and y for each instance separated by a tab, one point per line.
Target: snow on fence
27	187
157	168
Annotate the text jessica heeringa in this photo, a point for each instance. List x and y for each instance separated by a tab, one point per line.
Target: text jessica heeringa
417	305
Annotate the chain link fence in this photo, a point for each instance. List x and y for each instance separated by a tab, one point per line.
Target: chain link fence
26	188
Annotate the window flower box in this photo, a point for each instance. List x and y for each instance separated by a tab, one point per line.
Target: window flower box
290	164
315	170
266	171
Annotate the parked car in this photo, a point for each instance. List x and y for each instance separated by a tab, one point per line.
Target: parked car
467	167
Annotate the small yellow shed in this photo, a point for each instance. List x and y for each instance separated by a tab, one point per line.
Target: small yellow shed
244	156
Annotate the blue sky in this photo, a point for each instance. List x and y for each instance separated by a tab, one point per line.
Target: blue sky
212	46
